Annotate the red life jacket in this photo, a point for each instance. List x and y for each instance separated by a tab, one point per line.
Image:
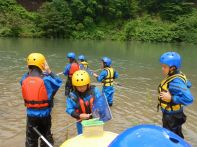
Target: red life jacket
34	93
74	67
85	107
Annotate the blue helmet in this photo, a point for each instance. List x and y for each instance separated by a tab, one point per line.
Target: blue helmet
171	59
71	55
107	61
148	135
81	57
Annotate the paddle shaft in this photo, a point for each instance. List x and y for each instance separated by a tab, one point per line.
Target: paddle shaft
42	137
69	125
91	72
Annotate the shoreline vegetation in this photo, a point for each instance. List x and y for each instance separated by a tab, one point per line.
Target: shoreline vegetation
141	20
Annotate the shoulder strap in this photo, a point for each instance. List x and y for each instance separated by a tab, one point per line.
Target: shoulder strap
108	72
111	72
170	78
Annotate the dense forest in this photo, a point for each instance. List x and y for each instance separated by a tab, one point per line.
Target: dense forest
144	20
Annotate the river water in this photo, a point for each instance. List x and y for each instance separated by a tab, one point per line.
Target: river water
135	100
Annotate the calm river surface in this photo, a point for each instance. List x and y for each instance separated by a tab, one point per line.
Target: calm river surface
135	101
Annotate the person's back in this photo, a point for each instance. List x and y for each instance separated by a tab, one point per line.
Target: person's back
38	91
83	62
107	76
69	70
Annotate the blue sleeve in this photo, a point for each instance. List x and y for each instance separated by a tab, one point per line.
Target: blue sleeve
70	105
66	69
52	83
116	75
180	92
189	84
102	76
23	77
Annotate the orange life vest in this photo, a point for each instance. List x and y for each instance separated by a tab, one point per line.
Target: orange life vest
74	67
85	107
34	93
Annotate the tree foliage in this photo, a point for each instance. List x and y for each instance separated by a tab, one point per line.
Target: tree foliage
146	20
54	19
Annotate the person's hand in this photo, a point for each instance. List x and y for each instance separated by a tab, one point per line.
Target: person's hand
95	75
166	96
47	68
84	116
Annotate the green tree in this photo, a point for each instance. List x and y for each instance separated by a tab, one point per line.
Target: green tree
55	19
186	28
171	10
167	9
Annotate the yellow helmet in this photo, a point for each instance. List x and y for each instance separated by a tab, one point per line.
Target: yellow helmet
36	59
80	78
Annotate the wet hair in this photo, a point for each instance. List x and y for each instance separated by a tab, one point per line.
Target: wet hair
33	67
82	60
105	65
173	70
73	60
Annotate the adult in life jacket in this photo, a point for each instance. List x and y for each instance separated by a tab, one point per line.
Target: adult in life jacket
38	91
69	70
107	76
83	63
79	103
174	93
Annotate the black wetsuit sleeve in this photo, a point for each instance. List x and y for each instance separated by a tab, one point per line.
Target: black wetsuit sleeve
75	115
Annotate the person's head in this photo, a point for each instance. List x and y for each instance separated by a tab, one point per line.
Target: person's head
81	58
71	57
106	62
36	60
170	62
81	81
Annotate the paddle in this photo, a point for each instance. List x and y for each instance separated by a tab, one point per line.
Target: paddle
92	73
42	137
59	73
68	126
